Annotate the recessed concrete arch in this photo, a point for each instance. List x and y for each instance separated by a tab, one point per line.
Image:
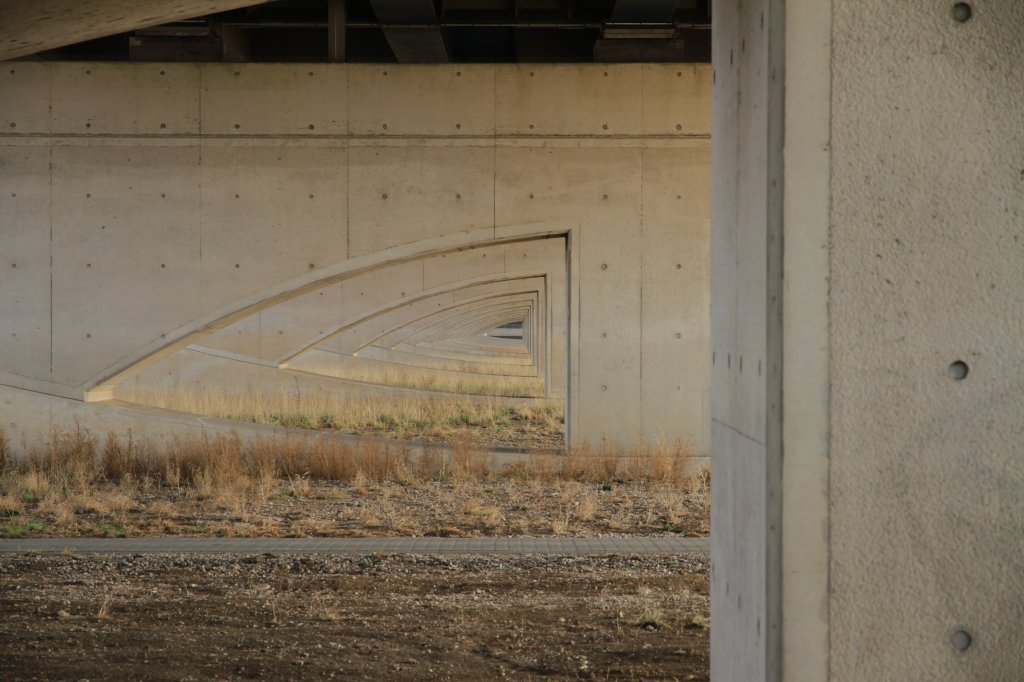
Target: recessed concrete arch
97	387
462	314
456	332
469	356
357	332
461	322
363	356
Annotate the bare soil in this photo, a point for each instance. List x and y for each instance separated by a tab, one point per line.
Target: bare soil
195	617
301	507
517	437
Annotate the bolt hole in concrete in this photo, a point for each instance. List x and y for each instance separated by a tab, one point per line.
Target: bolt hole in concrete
958	370
962	12
961	640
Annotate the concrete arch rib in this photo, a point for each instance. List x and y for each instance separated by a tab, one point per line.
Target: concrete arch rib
100	386
452	323
352	358
333	335
465	326
440	341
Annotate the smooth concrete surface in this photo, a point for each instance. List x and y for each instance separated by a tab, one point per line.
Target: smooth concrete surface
867	514
148	206
746	385
206	374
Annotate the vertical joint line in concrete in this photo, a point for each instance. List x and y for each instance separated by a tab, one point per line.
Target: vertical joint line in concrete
348	163
200	181
494	156
49	205
828	341
643	417
774	340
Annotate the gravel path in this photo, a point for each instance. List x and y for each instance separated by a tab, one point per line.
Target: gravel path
568	546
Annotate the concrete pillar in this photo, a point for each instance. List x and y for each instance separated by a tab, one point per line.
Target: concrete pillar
868	194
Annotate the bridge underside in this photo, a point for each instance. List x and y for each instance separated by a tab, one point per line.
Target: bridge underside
179	226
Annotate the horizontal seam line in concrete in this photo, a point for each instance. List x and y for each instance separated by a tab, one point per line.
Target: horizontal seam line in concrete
657	545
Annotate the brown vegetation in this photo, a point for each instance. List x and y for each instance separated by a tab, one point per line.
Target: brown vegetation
486	422
74	482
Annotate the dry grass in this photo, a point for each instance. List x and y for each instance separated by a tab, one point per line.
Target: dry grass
324	409
71	461
5	450
120	482
371	372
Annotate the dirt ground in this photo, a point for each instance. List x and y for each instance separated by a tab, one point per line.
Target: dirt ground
197	617
525	437
300	507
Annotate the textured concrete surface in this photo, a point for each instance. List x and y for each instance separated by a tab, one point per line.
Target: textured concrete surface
497	545
926	230
147	207
901	194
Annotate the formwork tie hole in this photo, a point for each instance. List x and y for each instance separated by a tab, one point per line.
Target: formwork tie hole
958	370
962	12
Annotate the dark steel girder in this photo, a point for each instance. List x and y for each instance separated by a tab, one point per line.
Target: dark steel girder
420	40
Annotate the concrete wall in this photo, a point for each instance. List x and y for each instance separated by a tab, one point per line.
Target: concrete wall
143	203
926	227
886	521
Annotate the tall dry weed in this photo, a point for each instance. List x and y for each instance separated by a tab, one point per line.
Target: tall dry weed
5	450
227	471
